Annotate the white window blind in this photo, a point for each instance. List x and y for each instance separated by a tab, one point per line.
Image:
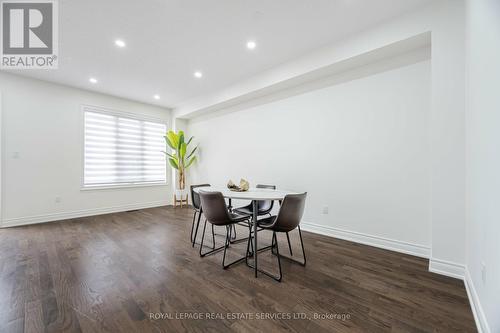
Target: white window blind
121	150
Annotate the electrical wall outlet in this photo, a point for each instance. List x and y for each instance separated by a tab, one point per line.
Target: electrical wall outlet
325	210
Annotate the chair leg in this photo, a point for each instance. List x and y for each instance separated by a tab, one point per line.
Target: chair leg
228	242
233	235
196	230
226	245
201	246
274	244
248	245
289	245
232	239
302	244
250	238
302	263
213	237
192	226
202	236
279	261
265	248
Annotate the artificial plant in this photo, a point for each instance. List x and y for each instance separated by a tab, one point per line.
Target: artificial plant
180	159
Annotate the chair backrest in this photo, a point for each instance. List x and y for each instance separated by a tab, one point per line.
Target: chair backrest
265	205
214	208
195	198
291	211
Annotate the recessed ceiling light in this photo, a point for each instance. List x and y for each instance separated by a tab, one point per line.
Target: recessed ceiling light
198	74
251	45
120	43
93	80
156	96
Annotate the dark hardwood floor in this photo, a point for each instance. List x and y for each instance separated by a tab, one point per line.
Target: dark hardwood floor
137	272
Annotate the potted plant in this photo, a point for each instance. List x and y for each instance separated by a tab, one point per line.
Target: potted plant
180	160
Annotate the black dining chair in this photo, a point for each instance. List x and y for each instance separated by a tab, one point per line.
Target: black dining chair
264	206
288	219
195	199
217	214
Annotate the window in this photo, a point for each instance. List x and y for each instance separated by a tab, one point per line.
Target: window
122	150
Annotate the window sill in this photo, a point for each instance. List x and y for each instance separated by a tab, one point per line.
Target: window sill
120	186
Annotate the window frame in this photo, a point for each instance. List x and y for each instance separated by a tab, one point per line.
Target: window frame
123	114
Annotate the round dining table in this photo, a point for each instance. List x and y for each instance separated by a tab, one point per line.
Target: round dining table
254	195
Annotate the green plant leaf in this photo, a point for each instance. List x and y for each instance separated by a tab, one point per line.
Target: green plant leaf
180	141
173	138
169	155
192	152
173	163
190	139
182	151
169	143
191	161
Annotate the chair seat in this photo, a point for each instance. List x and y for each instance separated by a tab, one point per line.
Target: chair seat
238	217
248	210
244	210
267	223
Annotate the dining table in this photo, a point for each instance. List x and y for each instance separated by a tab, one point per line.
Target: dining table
252	194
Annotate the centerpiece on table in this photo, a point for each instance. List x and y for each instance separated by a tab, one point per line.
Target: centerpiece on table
244	186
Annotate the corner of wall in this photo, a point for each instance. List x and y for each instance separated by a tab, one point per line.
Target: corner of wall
475	304
448	268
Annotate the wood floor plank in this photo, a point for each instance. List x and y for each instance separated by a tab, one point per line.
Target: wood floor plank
33	317
137	272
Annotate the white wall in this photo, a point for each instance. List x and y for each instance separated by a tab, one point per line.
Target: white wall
447	127
361	148
445	21
42	154
483	159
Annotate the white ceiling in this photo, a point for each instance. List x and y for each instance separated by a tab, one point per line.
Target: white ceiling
167	40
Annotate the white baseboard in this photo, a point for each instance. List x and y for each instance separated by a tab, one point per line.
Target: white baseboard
438	266
447	268
477	309
377	241
18	221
